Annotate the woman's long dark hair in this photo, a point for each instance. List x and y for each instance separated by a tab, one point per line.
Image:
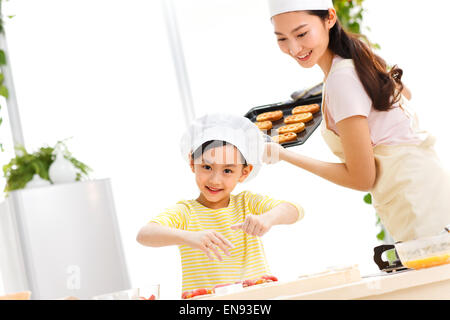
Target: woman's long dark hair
383	87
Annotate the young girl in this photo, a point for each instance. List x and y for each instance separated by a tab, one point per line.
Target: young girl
366	123
219	233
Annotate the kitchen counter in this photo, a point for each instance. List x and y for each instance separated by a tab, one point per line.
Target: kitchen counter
347	283
425	284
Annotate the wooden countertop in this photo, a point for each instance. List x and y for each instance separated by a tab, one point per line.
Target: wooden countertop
429	283
346	283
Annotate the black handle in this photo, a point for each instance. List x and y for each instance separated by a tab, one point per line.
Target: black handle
378	251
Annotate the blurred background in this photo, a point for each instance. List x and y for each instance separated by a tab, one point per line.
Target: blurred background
101	73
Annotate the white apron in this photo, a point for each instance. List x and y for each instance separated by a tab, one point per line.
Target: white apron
411	194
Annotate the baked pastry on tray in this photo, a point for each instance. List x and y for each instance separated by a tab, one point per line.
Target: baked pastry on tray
270	116
313	108
285	137
264	125
301	117
295	127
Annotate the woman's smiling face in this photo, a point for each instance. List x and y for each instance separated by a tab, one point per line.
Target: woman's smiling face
217	173
303	36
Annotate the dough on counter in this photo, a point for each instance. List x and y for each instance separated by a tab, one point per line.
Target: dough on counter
23	295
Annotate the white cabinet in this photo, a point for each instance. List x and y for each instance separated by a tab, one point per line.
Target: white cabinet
62	240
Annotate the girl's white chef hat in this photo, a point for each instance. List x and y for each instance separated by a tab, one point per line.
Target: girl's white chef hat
282	6
236	130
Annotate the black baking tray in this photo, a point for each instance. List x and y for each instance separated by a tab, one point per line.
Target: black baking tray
287	107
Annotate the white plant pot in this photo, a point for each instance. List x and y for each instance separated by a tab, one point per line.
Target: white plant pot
62	170
37	182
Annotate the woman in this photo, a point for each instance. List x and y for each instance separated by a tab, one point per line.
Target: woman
366	123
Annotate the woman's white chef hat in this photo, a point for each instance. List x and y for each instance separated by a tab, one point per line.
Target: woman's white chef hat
236	130
282	6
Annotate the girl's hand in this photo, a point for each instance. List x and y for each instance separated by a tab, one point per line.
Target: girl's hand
272	152
254	225
208	241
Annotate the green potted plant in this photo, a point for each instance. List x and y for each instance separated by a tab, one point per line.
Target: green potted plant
22	168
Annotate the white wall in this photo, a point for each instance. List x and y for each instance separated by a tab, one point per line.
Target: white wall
101	72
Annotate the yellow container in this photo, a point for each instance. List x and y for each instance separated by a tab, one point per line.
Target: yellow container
428	262
425	252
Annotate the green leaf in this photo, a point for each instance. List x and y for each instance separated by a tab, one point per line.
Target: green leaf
381	235
378	221
368	198
4	91
2	57
351	14
391	256
376	46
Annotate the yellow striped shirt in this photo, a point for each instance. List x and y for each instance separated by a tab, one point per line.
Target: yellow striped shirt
247	259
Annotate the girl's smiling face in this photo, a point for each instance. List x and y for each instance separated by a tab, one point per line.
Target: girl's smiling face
304	36
217	173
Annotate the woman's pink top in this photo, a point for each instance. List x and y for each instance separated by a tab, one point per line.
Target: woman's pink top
346	97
